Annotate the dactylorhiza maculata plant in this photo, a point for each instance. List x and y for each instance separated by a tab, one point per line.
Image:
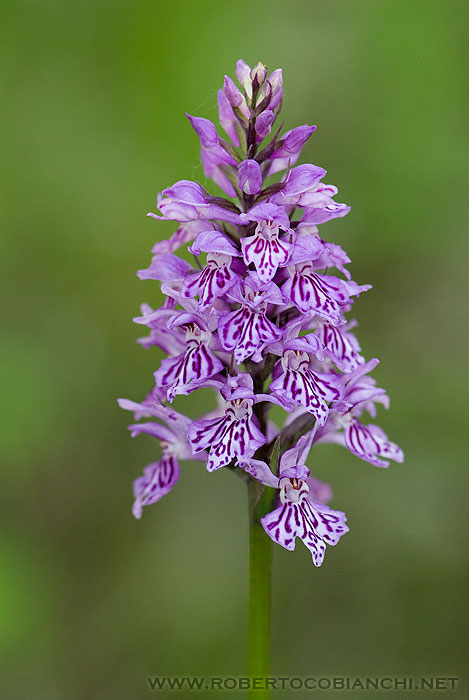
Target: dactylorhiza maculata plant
260	320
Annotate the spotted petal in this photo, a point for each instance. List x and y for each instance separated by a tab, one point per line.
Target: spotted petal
370	443
313	390
313	523
267	254
180	373
214	281
342	346
326	523
246	332
158	479
226	438
323	294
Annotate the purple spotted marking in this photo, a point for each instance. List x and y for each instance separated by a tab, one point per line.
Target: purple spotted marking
180	374
212	282
158	479
265	250
234	435
324	294
341	346
297	516
246	331
370	443
302	386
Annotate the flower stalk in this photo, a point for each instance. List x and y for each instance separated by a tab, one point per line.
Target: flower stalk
260	574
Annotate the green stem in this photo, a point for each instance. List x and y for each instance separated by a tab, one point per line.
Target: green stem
260	556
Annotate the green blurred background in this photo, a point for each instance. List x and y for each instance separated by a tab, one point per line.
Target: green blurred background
93	97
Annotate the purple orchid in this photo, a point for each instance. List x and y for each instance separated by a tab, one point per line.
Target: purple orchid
265	249
187	371
300	385
235	435
247	331
302	511
324	294
290	148
250	176
369	442
159	477
260	317
186	201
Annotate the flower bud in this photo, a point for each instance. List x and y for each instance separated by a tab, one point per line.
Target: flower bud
276	82
264	123
258	73
243	73
233	93
250	176
294	140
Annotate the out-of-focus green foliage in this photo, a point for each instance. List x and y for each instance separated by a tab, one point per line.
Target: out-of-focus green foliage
93	96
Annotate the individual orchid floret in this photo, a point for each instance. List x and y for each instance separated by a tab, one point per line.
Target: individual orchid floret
368	442
190	369
303	188
341	345
298	516
186	201
215	280
250	176
235	435
265	249
247	331
299	385
264	124
159	477
326	295
300	513
218	276
299	181
290	148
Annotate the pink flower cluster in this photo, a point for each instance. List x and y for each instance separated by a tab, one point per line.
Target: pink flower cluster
259	319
